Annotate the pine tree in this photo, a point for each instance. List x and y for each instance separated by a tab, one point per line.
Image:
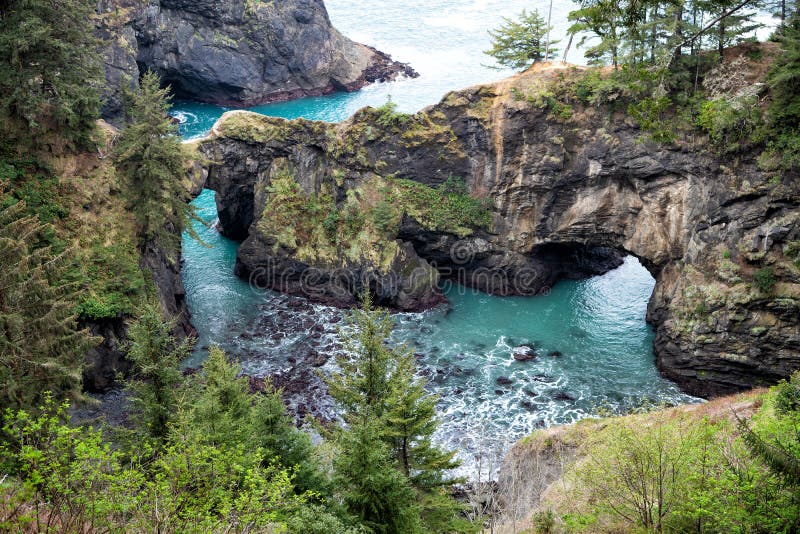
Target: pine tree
150	159
731	29
156	356
784	79
50	72
362	385
272	430
784	110
374	490
41	348
390	421
220	409
408	427
409	424
520	43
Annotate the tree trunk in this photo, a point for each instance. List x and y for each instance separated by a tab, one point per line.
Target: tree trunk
547	46
679	30
653	17
569	45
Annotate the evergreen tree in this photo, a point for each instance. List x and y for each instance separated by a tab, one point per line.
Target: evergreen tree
374	490
781	457
222	412
50	71
220	409
731	29
409	423
156	356
272	430
603	18
784	110
784	79
41	348
150	159
362	386
390	421
518	44
408	427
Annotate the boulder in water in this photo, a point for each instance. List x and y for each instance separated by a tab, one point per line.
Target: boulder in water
524	353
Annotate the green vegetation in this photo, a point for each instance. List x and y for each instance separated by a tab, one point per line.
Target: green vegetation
365	223
392	476
447	208
40	346
50	71
69	479
388	116
784	112
698	469
207	455
669	71
150	161
764	280
156	356
518	44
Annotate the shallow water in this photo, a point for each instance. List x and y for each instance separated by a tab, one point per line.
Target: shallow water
594	347
597	326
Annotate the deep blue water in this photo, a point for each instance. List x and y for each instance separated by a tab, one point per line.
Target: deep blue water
597	325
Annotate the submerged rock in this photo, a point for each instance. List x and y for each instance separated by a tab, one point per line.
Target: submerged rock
563	396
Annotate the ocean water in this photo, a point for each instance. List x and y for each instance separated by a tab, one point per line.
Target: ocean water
594	348
443	40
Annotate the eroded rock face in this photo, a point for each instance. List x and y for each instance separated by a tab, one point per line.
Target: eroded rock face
567	198
234	52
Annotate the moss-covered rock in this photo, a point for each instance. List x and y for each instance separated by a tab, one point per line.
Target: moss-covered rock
503	188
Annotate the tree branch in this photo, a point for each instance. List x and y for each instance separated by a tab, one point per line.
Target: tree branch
712	24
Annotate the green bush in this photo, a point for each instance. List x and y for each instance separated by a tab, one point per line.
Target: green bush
384	215
764	280
650	114
388	116
729	125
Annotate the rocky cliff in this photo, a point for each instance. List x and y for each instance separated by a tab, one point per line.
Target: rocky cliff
551	195
234	52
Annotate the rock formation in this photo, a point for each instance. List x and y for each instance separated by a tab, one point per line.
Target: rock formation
564	197
234	52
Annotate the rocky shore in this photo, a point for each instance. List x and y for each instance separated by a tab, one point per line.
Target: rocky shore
551	198
234	52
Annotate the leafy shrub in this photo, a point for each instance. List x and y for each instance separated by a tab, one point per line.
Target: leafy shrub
650	114
388	116
544	522
729	124
331	224
765	280
384	215
548	101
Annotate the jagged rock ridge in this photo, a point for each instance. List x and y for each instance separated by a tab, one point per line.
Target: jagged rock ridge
234	52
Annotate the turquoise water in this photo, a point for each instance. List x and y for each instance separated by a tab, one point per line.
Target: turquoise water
597	326
443	40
